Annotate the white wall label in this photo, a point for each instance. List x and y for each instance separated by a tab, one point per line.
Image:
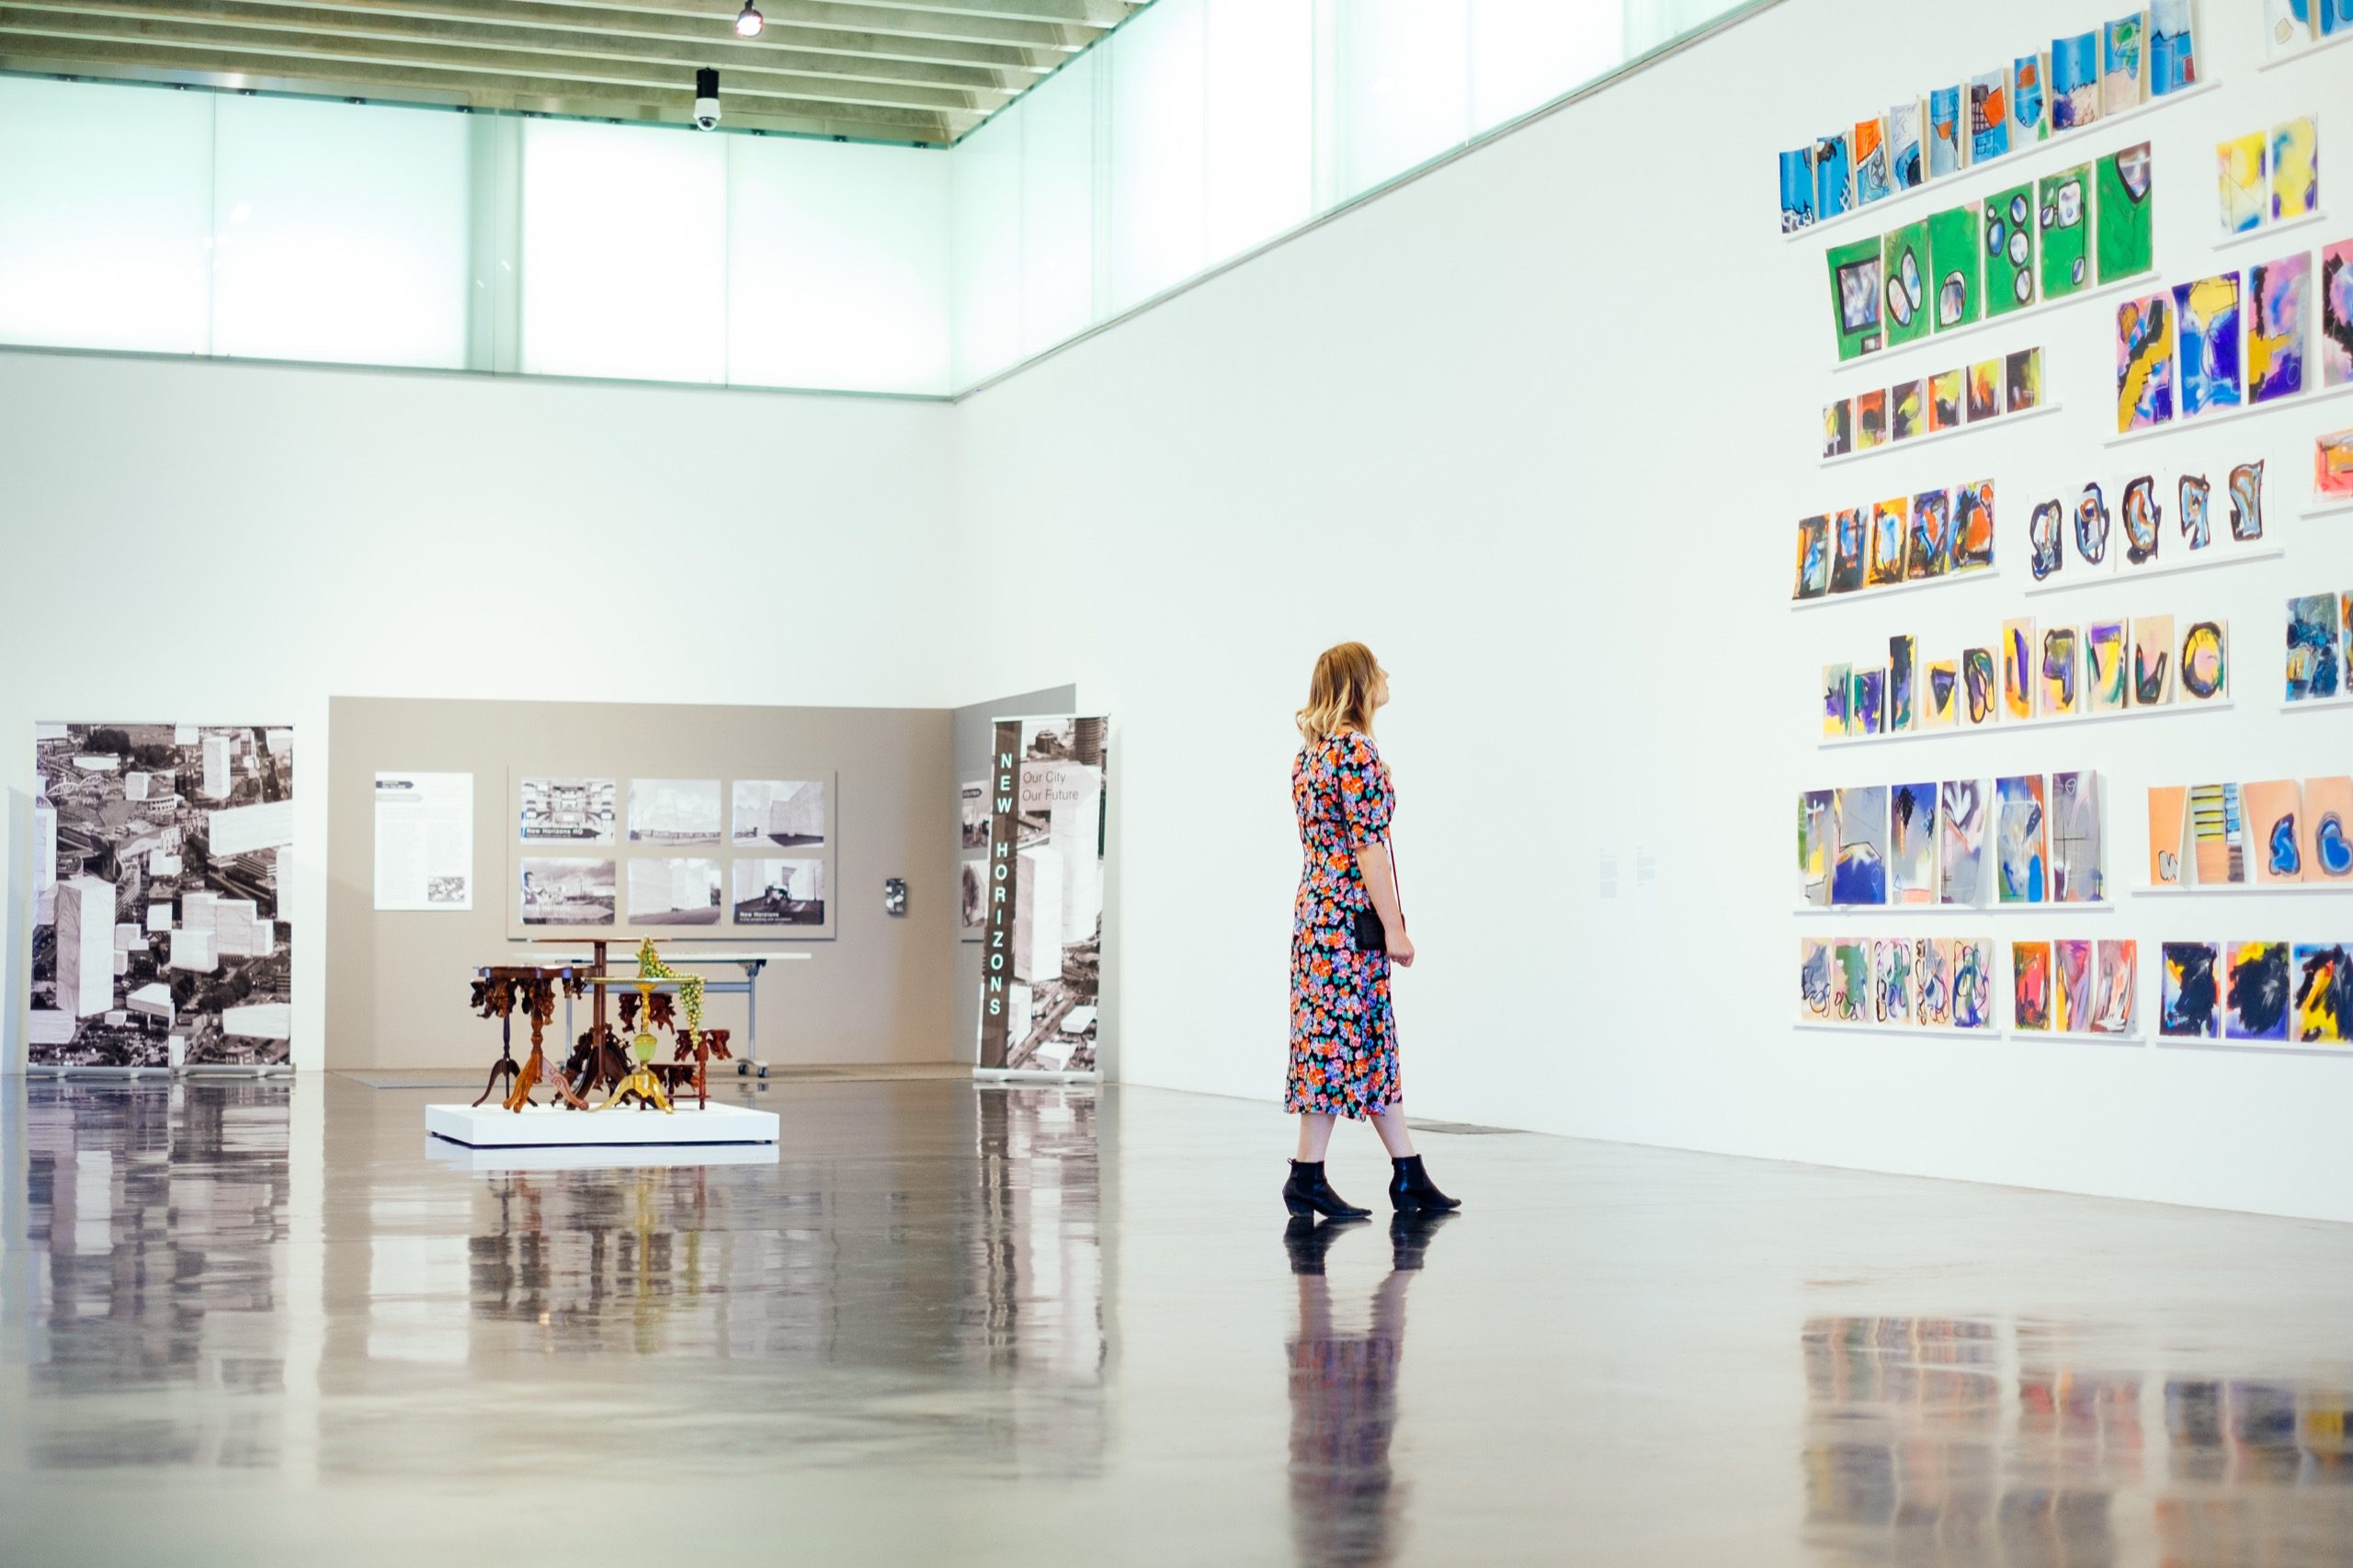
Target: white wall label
425	841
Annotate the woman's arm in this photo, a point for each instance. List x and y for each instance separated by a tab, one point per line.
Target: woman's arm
1381	886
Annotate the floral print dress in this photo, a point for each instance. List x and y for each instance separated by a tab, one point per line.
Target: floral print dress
1343	1030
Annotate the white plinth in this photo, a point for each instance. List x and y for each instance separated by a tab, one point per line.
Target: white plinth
598	1156
545	1126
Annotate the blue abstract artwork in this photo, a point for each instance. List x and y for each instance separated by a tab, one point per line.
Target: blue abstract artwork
1797	190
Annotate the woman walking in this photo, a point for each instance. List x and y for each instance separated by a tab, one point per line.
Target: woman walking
1347	929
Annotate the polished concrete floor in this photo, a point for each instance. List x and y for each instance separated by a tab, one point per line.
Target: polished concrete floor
267	1324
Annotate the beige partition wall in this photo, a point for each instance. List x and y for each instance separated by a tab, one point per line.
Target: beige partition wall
875	987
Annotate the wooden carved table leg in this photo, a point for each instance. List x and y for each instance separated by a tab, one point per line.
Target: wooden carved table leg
504	1065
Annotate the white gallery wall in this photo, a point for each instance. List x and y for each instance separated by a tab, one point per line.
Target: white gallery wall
230	544
1539	426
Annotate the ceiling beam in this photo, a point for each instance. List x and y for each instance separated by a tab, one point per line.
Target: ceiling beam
1097	14
850	18
321	51
394	82
453	45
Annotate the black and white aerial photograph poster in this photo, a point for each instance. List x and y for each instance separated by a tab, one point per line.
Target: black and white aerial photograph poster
1041	959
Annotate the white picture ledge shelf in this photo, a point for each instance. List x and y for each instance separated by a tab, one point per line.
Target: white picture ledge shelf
1957	911
2219	704
2243	890
1913	443
2190	424
2258	235
2208	560
1889	590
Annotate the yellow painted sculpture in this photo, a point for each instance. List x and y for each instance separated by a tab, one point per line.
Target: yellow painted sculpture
641	1081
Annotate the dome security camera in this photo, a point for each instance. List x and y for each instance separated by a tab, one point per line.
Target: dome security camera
706	99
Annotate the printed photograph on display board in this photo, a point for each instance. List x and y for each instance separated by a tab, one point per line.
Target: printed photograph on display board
160	859
568	811
673	891
779	892
782	814
973	795
565	890
973	898
673	810
1041	955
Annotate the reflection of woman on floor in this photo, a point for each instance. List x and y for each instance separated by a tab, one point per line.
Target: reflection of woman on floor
1343	1402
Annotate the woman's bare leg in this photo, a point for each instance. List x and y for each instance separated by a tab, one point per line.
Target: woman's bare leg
1395	1136
1315	1135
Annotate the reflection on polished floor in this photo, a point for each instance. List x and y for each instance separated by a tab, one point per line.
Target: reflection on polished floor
258	1324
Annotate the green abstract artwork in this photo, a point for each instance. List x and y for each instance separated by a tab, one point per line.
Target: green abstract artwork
2065	225
2125	208
2006	227
1855	298
1955	263
1905	264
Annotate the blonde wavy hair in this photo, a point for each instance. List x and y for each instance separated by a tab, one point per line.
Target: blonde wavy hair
1340	694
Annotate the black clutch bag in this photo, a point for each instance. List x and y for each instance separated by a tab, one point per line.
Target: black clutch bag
1365	931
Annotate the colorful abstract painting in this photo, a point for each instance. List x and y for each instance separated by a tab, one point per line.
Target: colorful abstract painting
1889	531
2059	664
1868	148
1797	190
2168	816
1941	694
2243	165
1867	707
1892	980
2021	844
1928	552
2031	996
1903	663
1858	874
1870	419
1945	150
2022	379
2092	530
1907	410
1905	161
1944	402
2254	1006
1989	116
1813	980
1838	428
1912	844
2194	507
1960	840
2078	841
2295	169
2126	227
2144	363
2075	80
2064	216
2046	536
1984	390
2029	101
1834	177
1817	846
2152	661
2328	802
2205	662
1979	702
2336	315
1838	696
2314	648
2123	63
2217	835
2173	51
2247	502
1973	525
2073	966
2278	311
2323	973
1932	983
2142	518
2116	988
2019	676
1972	984
2006	226
1813	558
2333	465
2207	320
2190	1003
1954	262
1851	550
1850	980
1854	297
2275	832
1905	266
2106	689
2287	27
2335	17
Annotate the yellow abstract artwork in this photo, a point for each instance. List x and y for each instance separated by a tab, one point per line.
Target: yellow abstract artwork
2242	163
2295	169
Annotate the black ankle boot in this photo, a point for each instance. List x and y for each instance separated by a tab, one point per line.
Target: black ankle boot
1410	1190
1308	1193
